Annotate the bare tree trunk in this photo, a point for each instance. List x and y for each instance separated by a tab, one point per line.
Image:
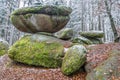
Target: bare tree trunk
111	22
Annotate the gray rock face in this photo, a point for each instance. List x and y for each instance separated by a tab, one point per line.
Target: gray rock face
106	70
40	19
74	58
103	62
65	34
92	34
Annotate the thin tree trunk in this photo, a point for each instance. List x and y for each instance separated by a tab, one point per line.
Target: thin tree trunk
111	22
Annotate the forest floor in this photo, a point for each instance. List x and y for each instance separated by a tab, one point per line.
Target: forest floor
15	71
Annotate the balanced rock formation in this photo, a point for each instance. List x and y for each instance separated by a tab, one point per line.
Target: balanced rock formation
74	59
4	46
41	18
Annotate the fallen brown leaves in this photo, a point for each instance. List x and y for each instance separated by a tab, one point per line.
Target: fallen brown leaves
99	53
22	72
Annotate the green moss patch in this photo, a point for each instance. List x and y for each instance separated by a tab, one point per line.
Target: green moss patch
3	48
50	10
92	34
74	58
37	53
81	40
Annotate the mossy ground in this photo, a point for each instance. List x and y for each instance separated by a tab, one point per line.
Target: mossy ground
37	53
3	49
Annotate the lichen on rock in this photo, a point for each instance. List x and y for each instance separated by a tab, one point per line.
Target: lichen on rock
104	66
65	34
81	40
95	40
92	34
38	53
74	58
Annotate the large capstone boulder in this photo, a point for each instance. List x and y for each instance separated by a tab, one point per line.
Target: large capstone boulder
92	34
41	18
81	40
65	34
4	46
74	58
38	50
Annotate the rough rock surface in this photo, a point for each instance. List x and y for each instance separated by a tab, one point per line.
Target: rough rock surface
14	71
65	34
74	59
40	19
4	46
92	34
95	40
103	62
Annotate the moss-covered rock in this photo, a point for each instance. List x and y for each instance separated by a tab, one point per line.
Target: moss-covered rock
92	34
108	69
74	58
95	40
81	40
49	10
65	34
4	46
38	50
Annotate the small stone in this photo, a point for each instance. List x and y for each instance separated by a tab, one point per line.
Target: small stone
81	40
65	34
